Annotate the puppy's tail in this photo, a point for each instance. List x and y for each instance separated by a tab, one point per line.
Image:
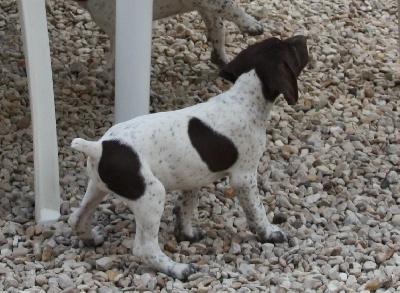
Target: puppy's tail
91	149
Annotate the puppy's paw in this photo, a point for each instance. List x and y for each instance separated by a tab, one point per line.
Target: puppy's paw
277	235
73	221
196	235
183	271
97	239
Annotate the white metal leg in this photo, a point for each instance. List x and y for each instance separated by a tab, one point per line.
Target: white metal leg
133	58
37	54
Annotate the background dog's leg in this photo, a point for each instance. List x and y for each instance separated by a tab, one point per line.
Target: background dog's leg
183	210
245	186
148	210
81	219
103	14
232	12
216	36
109	70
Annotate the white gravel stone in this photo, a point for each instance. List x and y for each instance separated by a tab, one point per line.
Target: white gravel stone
64	281
396	220
392	177
343	277
235	248
145	278
369	266
104	263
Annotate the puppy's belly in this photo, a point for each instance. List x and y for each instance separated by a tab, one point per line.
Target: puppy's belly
187	177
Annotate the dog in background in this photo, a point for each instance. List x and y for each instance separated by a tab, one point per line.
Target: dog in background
212	11
186	149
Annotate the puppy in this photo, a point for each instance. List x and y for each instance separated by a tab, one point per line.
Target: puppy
143	158
212	12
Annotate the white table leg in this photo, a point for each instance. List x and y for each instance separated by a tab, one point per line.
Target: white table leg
133	58
37	54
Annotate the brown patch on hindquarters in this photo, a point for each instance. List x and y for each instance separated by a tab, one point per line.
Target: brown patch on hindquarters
119	169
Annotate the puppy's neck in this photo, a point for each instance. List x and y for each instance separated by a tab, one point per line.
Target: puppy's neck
247	91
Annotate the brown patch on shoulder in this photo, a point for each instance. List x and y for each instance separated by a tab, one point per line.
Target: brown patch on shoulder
216	150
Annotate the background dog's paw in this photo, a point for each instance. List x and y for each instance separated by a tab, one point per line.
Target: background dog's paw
255	29
219	60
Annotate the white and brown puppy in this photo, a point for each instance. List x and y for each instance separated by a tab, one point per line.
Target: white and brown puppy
143	158
212	12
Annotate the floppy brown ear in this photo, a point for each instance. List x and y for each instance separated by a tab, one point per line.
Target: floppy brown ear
279	79
236	67
247	59
228	75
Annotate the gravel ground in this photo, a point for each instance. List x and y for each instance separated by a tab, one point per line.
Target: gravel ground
332	164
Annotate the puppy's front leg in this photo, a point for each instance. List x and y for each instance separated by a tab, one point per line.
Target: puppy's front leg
245	186
183	210
81	218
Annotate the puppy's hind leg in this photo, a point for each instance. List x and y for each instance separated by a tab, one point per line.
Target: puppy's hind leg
81	218
246	189
148	210
183	210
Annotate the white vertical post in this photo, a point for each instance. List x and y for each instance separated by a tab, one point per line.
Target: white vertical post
37	54
132	58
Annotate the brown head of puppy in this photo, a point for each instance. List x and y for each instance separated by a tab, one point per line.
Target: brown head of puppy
277	63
